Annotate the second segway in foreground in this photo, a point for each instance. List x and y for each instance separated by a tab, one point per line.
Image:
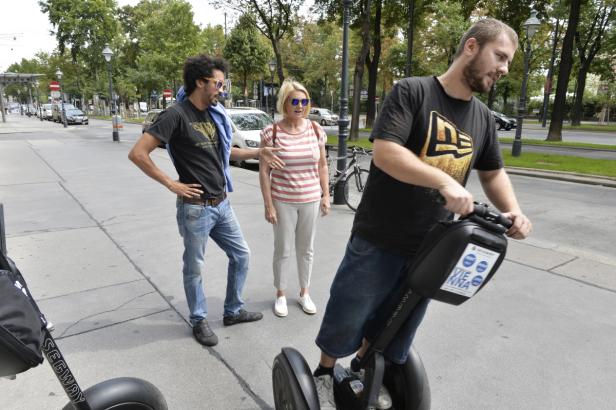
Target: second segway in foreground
455	261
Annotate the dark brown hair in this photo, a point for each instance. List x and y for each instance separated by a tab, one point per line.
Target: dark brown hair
486	31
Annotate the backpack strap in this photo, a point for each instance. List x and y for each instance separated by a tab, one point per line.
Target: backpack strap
274	135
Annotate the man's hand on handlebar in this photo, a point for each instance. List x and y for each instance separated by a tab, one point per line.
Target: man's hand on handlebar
457	199
521	227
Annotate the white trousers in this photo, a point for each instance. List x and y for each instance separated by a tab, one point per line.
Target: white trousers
295	222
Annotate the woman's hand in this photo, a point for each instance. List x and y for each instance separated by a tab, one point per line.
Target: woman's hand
325	205
270	214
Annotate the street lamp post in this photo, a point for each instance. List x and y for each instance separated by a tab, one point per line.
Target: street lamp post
266	96
59	75
531	25
38	100
107	53
272	68
343	118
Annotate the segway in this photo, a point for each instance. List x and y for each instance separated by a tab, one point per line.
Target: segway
25	338
456	260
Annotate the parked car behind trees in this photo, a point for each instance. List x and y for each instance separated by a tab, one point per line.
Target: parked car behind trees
323	116
504	122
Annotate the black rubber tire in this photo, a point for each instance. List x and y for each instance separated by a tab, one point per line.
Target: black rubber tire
287	393
123	393
323	122
354	186
408	384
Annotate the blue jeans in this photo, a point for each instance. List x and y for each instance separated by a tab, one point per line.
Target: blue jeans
366	277
196	223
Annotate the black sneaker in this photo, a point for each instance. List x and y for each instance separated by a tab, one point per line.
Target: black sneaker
241	317
204	334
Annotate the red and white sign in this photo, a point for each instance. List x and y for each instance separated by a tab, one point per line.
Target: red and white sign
167	93
54	86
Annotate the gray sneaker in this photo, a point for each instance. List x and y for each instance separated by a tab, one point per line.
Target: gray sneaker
325	390
384	399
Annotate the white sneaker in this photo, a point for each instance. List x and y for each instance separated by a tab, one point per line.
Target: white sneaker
307	304
325	391
383	401
280	306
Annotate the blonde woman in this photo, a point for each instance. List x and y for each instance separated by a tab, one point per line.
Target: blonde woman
294	195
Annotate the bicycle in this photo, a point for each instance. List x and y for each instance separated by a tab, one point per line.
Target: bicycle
353	178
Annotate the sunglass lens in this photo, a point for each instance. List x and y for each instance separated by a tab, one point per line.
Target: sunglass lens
305	102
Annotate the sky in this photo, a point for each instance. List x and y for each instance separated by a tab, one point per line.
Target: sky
25	30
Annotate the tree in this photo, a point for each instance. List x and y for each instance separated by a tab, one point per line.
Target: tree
246	53
274	19
372	62
566	62
167	36
588	43
318	68
213	40
359	68
84	27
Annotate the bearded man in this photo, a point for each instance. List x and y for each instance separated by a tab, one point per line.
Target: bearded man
429	134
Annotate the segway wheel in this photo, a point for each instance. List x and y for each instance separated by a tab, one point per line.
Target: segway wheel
408	383
123	393
293	385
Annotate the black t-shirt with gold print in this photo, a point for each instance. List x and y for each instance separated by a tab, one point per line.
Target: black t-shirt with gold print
194	144
450	134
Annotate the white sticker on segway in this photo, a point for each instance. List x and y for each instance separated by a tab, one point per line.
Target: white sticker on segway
470	271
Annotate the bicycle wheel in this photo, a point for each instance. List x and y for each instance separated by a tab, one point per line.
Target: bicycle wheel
354	185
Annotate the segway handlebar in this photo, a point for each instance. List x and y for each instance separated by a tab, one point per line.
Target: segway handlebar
491	215
484	212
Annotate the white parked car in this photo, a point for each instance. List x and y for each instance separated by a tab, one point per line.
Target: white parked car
323	116
247	124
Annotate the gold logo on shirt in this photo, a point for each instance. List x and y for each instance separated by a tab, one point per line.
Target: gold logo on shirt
208	130
447	148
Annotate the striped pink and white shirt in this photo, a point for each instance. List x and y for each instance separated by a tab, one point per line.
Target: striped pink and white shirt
298	181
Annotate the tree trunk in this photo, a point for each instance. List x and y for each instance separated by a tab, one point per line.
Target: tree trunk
492	96
505	98
566	62
359	72
373	66
244	86
279	70
409	39
576	109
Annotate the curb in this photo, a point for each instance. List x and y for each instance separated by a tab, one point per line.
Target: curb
564	176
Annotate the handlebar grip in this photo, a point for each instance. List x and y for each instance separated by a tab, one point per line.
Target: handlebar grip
483	210
491	215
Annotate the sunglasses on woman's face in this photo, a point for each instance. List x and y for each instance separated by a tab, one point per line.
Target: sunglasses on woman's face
296	101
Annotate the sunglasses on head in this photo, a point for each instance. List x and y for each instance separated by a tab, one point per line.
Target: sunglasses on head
217	83
296	101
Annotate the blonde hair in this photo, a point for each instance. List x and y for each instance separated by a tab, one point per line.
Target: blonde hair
288	86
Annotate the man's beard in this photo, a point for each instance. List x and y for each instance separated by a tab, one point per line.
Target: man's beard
474	77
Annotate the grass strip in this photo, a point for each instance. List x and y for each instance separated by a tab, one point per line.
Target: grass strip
566	163
532	160
572	144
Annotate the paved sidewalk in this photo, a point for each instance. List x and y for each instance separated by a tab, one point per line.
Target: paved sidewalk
98	244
